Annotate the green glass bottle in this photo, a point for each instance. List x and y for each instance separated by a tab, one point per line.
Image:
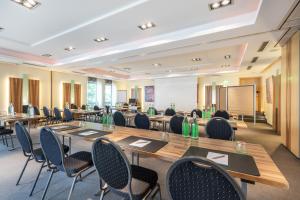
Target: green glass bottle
185	127
203	113
195	127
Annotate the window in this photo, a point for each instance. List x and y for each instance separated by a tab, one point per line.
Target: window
92	91
108	93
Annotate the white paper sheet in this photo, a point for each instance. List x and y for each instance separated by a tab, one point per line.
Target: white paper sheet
219	158
87	133
140	143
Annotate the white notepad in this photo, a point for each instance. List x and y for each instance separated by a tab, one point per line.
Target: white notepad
219	158
140	143
86	133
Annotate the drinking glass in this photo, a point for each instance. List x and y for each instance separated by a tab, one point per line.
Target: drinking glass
241	147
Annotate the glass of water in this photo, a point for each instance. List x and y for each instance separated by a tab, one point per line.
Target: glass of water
241	147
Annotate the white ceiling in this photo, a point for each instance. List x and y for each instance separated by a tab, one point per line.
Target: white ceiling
184	29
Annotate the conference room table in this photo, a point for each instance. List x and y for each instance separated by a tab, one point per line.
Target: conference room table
11	119
176	146
166	120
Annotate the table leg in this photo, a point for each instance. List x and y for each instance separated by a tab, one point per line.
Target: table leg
70	145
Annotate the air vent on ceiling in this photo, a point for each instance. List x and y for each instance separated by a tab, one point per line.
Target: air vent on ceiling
249	67
263	46
254	59
36	65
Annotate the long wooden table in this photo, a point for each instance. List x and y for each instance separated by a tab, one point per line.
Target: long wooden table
202	122
177	146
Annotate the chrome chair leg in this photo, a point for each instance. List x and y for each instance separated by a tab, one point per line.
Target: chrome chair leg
28	159
48	183
37	178
72	187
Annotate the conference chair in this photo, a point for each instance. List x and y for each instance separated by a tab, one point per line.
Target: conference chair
141	121
198	178
68	116
25	109
30	153
57	115
72	166
176	124
198	113
219	128
4	133
124	181
83	107
46	112
222	113
119	119
73	106
170	112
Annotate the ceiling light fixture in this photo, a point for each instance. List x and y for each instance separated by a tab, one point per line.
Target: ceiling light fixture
156	64
220	4
101	39
1	29
127	68
27	3
70	48
227	57
146	26
196	59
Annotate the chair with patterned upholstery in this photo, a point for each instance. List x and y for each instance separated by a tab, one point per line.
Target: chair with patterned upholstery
176	124
219	128
142	121
47	114
198	178
32	154
119	119
68	116
125	181
170	112
73	165
222	113
198	113
57	115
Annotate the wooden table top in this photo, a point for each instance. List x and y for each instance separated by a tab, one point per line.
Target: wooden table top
201	121
84	112
20	117
178	145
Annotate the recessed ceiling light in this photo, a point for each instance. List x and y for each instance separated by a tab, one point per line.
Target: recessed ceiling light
169	71
147	26
220	4
27	3
156	64
101	39
196	59
127	68
227	57
69	48
1	29
47	55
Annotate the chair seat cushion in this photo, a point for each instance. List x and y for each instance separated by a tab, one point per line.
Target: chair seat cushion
77	162
6	132
144	174
39	155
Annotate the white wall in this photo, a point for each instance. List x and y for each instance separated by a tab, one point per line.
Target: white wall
182	91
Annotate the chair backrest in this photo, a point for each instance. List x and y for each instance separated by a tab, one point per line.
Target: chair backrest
199	178
25	108
73	106
57	113
96	107
68	115
219	128
222	113
111	164
119	119
52	147
176	124
36	110
198	113
142	121
46	111
170	112
24	138
83	107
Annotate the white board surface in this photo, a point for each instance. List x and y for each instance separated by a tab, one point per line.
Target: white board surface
182	91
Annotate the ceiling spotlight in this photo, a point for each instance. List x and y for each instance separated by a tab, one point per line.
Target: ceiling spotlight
127	68
69	48
156	64
27	3
101	39
220	4
225	2
227	57
47	55
146	26
1	29
196	59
